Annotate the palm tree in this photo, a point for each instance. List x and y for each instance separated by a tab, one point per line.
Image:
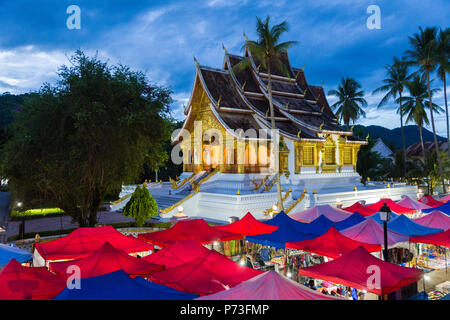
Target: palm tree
350	101
269	51
414	106
394	85
443	54
424	55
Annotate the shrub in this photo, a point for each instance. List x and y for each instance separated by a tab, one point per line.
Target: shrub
141	206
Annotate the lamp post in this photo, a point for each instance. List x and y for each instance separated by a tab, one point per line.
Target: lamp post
385	215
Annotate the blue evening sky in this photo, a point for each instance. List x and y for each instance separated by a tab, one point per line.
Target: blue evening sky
161	37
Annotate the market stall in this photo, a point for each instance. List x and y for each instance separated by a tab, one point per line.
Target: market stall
445	208
406	226
82	242
361	209
354	219
369	231
8	252
434	253
207	274
18	282
196	229
105	260
407	202
445	199
308	215
435	219
119	286
430	201
269	286
352	270
332	244
395	207
177	253
248	226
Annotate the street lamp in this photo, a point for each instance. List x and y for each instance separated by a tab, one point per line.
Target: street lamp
385	215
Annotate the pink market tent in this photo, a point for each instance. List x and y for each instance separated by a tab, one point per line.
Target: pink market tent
435	219
445	199
412	204
248	226
369	231
196	229
437	239
29	283
355	268
105	260
207	274
395	207
334	214
430	201
177	253
84	241
332	244
361	209
269	286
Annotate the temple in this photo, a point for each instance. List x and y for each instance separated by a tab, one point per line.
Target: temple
228	155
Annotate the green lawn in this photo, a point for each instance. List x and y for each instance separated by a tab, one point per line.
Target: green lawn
36	213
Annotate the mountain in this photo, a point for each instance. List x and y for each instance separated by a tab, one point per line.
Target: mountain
394	137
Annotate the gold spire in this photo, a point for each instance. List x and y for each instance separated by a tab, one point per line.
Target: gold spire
225	49
321	125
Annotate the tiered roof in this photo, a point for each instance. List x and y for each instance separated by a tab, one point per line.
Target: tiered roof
239	100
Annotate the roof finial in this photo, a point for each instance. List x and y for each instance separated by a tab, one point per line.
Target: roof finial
267	113
257	68
287	105
321	109
299	133
242	88
351	129
296	76
367	138
321	125
323	82
245	36
304	92
225	49
303	68
196	61
218	101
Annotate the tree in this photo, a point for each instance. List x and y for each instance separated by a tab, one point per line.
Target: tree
394	85
269	51
424	55
443	54
141	206
350	101
76	141
414	106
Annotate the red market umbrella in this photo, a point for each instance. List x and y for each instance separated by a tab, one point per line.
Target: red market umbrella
361	270
207	274
188	229
361	209
82	242
437	239
177	253
29	283
331	244
248	226
106	260
430	201
395	207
